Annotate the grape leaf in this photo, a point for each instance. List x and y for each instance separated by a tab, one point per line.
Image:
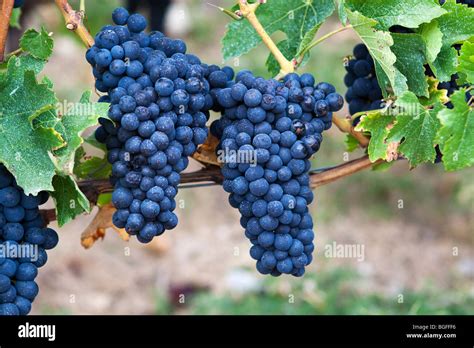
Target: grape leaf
86	167
456	135
407	13
445	64
341	10
378	44
466	61
69	199
351	143
376	123
457	25
433	38
38	44
104	199
382	166
294	18
435	95
411	56
79	117
16	68
415	128
15	18
26	150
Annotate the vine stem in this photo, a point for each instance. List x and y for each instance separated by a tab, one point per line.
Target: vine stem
212	174
5	14
74	22
301	54
248	11
345	126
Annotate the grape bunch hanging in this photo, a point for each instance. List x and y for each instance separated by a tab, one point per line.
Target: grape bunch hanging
160	100
282	123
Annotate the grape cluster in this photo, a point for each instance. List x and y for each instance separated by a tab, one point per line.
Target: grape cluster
279	125
363	92
21	228
160	101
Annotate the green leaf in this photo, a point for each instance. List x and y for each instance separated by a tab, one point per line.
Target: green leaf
378	44
93	168
436	96
341	10
382	166
294	18
16	68
466	61
411	56
457	25
26	150
307	40
86	167
415	128
351	143
38	44
456	135
433	38
445	64
70	201
104	199
15	18
376	123
407	13
78	118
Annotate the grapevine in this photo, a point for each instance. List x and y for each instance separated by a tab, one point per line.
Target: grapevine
409	98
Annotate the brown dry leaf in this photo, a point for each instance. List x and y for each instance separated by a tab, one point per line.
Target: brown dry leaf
392	148
392	151
206	153
98	226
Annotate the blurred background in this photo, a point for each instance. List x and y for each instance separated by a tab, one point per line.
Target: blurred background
415	227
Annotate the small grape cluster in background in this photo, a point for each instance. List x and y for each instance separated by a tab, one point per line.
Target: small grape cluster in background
282	124
363	91
21	227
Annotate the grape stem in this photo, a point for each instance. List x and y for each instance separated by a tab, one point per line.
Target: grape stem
303	52
212	174
6	7
248	11
74	22
345	125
